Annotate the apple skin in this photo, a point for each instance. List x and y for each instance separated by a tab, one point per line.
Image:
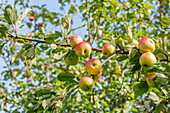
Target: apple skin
147	59
86	83
83	49
150	81
42	25
71	58
108	50
146	44
31	18
75	39
93	66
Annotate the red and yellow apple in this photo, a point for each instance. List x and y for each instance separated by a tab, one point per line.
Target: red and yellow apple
75	39
83	49
42	25
31	18
108	50
46	67
146	44
150	81
93	66
71	58
86	83
147	59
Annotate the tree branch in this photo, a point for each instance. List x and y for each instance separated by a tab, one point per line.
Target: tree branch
9	67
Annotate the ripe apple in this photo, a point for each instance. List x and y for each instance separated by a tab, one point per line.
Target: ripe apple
24	75
83	49
75	39
28	35
93	66
30	79
147	59
46	67
71	58
86	83
31	18
146	44
51	75
150	81
42	25
108	50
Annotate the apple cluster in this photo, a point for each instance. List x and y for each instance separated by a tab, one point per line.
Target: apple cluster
147	59
93	66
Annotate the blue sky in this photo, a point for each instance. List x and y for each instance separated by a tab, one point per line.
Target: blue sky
51	5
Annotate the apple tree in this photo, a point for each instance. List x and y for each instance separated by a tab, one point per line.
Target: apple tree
118	61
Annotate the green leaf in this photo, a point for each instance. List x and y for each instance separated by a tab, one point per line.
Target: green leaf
76	28
8	14
66	76
121	58
21	41
154	97
132	52
140	88
16	16
3	30
160	56
161	79
43	91
24	14
66	21
1	46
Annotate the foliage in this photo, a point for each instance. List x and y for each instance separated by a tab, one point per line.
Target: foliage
36	78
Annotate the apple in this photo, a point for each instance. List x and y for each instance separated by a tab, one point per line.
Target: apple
83	49
108	50
30	79
98	75
24	75
86	83
42	25
46	67
28	35
31	18
150	81
146	44
147	59
71	58
75	39
93	66
51	75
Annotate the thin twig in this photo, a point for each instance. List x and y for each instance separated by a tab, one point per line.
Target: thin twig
108	59
9	67
62	97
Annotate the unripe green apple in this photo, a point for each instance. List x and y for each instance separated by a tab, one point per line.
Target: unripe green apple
71	58
75	39
86	83
108	50
147	59
150	81
83	49
146	44
93	66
